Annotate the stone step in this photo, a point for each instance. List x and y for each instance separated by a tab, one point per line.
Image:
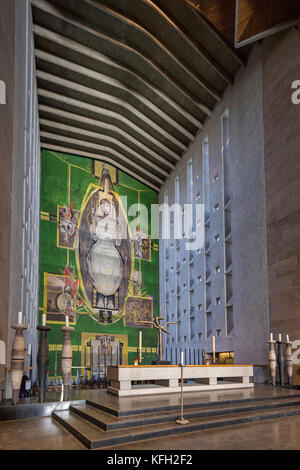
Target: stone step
137	407
94	437
108	422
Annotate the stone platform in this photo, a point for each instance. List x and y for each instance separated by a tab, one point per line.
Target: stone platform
99	419
165	379
106	420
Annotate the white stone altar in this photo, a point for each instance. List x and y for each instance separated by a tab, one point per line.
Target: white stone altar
167	379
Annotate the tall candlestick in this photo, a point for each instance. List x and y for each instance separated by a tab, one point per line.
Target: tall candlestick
280	360
288	360
66	360
272	361
44	319
42	361
181	358
18	358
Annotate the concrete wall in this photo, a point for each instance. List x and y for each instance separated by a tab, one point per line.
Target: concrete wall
242	167
24	263
281	66
6	142
19	176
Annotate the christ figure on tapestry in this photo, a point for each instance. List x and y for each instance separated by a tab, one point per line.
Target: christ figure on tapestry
104	260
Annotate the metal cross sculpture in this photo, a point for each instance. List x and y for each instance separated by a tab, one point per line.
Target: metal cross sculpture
162	329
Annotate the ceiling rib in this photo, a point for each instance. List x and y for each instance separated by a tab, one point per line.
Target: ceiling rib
53	17
115	87
51	137
107	116
112	103
195	45
57	115
140	39
229	49
95	60
105	140
126	82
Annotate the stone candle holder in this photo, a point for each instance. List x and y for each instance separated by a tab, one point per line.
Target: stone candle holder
66	361
272	361
280	361
17	361
42	361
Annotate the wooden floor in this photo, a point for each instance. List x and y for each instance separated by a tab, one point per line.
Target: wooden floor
283	433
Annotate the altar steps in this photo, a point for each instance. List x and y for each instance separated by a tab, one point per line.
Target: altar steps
135	407
99	429
109	422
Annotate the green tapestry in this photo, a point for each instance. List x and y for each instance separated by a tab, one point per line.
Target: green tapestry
98	263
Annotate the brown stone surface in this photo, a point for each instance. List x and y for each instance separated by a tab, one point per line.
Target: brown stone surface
44	434
281	66
277	434
6	142
36	434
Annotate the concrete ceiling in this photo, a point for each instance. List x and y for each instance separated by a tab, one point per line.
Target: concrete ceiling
129	82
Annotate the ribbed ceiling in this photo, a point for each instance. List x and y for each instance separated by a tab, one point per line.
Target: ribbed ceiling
129	82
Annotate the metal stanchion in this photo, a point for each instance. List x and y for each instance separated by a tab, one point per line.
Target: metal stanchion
181	420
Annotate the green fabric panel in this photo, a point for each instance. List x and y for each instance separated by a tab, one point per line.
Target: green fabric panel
57	170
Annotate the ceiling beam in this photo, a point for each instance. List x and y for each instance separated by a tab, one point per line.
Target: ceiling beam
148	35
55	18
237	56
193	43
79	121
102	63
114	24
113	86
104	140
102	150
106	116
111	103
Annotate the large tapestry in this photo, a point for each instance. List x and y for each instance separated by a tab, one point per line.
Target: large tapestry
98	265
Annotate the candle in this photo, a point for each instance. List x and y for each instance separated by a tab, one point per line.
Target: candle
279	337
20	318
181	358
287	338
140	340
271	336
67	320
214	348
44	319
29	350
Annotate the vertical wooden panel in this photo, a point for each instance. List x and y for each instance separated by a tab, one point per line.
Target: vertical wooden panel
281	66
6	141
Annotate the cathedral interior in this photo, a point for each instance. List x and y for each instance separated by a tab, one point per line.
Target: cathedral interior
150	225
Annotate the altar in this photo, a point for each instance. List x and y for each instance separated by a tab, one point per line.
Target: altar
165	379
